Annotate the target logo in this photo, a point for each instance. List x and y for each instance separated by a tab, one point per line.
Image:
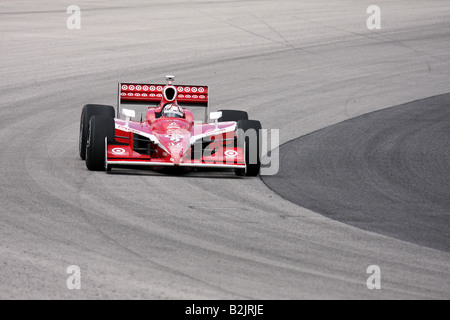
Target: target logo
152	88
180	89
231	154
194	90
118	151
138	88
187	89
145	88
159	88
201	90
131	87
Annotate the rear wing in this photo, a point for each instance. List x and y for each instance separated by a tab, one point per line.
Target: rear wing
152	95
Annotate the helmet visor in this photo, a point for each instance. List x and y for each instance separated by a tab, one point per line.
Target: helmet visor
173	114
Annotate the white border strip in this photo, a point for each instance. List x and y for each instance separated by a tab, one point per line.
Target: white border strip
165	164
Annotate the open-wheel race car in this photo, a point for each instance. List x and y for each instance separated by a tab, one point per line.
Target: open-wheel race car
166	134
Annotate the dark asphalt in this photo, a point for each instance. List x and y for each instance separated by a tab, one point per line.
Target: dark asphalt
386	172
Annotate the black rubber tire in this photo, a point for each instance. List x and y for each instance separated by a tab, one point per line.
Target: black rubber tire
233	115
89	111
252	149
100	127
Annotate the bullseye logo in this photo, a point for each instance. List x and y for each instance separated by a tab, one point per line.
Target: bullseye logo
118	151
231	154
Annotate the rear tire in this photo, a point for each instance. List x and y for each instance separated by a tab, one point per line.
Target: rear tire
233	115
100	128
87	113
248	137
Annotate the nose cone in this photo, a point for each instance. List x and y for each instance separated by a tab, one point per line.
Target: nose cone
175	136
176	144
176	152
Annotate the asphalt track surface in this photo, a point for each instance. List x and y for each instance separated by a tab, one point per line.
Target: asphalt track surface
298	66
386	172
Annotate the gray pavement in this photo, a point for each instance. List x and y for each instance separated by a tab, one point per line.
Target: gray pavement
298	66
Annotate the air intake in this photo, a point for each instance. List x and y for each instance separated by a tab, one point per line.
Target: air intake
170	93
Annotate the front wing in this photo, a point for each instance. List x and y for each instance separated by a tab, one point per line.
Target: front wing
224	158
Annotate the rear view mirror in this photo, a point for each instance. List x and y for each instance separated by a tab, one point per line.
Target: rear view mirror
129	113
215	115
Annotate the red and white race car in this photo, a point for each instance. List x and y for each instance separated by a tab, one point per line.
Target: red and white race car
167	135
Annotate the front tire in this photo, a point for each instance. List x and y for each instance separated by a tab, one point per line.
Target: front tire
87	113
248	138
100	128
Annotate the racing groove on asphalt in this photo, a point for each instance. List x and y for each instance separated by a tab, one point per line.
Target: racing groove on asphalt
142	234
386	171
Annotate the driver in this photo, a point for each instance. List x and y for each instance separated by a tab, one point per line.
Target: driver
172	110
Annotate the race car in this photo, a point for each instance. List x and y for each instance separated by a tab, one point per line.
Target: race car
167	135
